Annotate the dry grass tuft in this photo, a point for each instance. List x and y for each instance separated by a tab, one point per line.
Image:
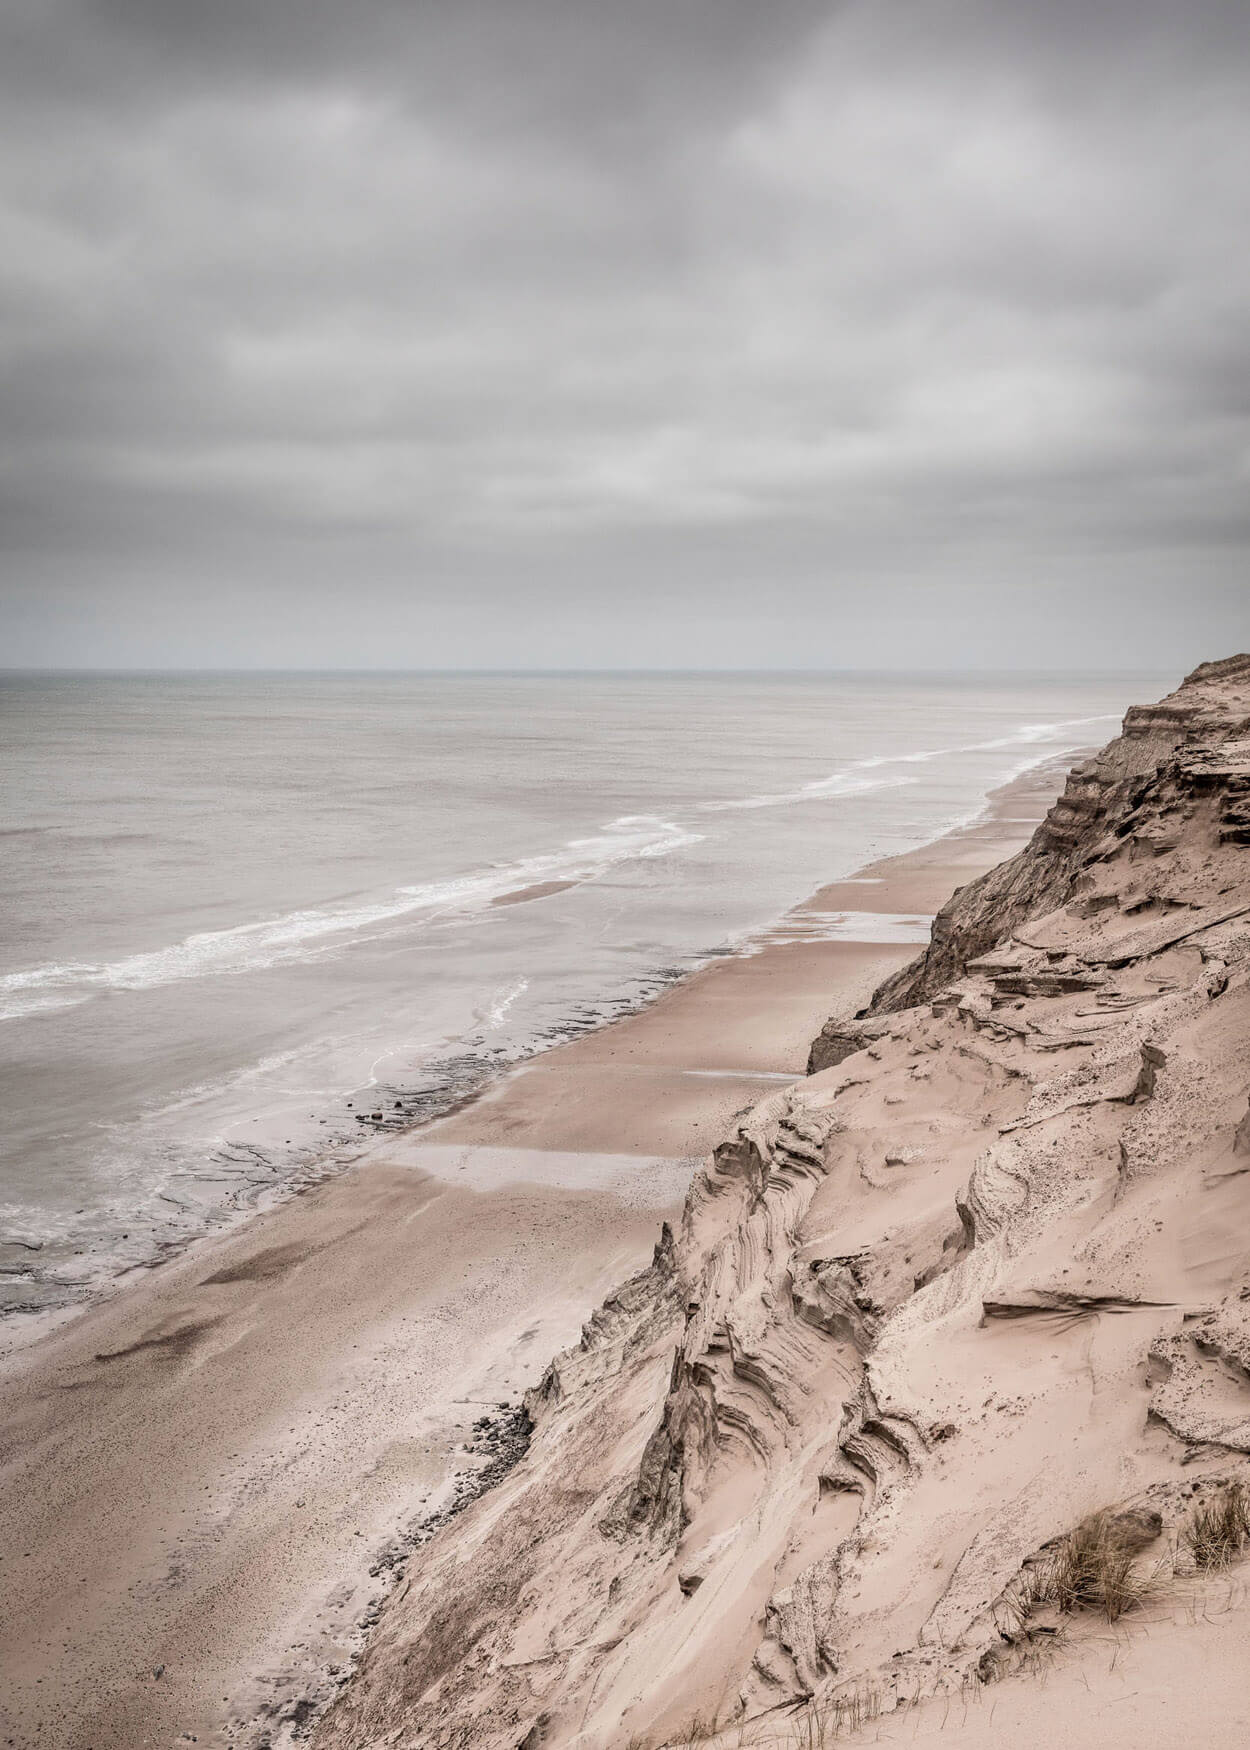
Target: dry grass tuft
1012	1611
701	1728
813	1726
1215	1532
824	1722
1093	1568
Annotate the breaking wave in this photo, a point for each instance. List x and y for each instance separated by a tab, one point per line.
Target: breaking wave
299	935
850	781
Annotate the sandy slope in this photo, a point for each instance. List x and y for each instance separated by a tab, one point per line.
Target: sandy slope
985	1272
198	1475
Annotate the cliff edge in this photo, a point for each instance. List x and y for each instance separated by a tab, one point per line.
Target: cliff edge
1104	800
975	1290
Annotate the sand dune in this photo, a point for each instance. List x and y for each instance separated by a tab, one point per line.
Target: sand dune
982	1275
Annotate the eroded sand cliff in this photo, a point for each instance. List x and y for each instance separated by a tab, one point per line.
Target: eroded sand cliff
986	1271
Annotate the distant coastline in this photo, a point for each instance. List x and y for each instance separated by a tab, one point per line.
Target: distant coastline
373	942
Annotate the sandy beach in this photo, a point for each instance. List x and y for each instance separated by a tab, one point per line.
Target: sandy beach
204	1472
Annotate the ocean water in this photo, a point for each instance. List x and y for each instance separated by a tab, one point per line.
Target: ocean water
241	913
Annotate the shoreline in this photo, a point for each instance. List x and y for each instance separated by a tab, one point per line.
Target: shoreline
247	1173
301	1385
455	1078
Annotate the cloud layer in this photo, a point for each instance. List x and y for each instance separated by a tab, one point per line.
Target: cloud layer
542	332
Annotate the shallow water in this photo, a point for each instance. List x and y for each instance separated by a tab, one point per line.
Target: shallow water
239	909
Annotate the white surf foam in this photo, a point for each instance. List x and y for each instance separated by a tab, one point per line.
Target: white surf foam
36	1002
824	789
302	935
498	1011
309	933
1049	737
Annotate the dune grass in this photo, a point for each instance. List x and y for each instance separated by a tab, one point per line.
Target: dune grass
1216	1530
1095	1568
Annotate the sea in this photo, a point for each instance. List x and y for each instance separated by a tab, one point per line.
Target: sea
249	920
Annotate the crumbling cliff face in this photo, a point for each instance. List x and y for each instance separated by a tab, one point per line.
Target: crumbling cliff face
1107	799
984	1272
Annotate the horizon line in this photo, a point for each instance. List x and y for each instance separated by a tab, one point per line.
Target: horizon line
8	670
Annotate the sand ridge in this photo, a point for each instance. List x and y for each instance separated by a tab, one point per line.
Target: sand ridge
982	1274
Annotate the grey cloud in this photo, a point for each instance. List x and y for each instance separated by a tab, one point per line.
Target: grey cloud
520	304
631	73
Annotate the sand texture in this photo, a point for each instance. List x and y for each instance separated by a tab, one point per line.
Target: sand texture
211	1479
985	1272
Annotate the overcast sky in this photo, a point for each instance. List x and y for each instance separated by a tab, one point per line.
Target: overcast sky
662	332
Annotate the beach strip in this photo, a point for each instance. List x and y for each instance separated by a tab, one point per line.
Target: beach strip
209	1478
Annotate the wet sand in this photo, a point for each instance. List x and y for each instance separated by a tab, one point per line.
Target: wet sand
197	1473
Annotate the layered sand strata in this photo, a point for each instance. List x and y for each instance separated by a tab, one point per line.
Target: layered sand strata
209	1480
983	1275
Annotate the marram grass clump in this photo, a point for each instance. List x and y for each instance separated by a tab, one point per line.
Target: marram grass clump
1095	1568
1216	1529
